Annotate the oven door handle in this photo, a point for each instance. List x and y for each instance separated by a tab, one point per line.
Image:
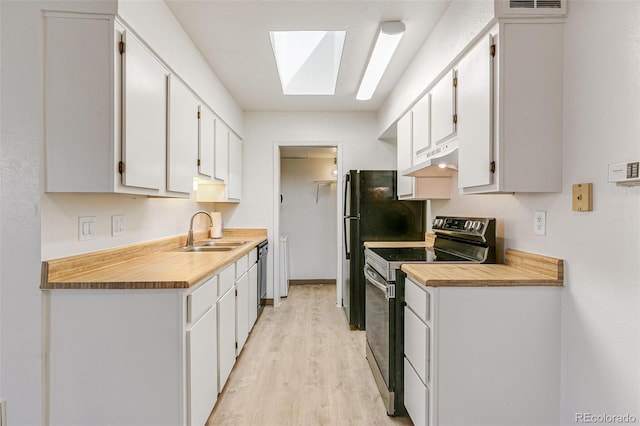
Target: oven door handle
389	290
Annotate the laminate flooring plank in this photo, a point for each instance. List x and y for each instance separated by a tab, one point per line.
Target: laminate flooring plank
302	365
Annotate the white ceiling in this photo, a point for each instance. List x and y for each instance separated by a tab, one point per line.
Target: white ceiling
233	36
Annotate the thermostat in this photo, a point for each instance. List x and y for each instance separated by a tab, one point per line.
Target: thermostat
624	173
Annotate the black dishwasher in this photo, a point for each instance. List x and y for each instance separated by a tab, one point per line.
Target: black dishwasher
263	250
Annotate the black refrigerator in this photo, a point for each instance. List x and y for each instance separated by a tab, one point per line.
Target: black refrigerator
372	212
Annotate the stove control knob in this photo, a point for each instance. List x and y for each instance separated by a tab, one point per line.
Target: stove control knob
477	226
468	225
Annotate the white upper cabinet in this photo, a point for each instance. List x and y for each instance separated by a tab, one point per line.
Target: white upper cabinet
79	129
221	171
475	106
206	141
405	154
421	128
183	137
117	119
234	186
443	108
144	112
515	146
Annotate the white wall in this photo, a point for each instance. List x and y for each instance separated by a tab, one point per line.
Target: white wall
309	225
360	148
600	371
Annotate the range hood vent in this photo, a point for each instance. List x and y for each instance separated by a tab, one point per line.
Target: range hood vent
443	162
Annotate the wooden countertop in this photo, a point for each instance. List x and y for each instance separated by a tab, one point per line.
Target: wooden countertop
520	269
156	264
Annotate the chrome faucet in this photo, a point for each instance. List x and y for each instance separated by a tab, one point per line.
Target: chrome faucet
190	235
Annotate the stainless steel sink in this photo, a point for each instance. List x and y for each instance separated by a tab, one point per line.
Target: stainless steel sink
208	248
221	243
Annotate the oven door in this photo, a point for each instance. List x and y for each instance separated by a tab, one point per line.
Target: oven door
380	314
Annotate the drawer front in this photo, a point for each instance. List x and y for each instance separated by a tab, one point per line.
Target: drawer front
418	298
242	266
253	256
416	396
227	280
416	343
202	299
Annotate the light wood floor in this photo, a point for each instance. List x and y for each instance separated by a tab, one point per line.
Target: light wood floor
302	366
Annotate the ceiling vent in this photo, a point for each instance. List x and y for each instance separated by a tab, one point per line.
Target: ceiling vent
510	8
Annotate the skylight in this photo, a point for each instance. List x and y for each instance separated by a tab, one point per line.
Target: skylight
308	61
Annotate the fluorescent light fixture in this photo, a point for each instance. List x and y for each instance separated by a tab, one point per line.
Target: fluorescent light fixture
389	36
308	61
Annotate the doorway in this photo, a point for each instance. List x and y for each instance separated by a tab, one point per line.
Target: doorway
307	178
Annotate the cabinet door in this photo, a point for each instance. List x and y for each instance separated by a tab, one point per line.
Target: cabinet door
405	154
421	127
242	311
221	171
234	189
226	336
202	368
416	396
416	343
475	117
78	102
144	104
253	294
206	141
183	137
443	108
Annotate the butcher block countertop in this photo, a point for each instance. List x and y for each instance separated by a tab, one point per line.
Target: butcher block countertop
520	269
158	264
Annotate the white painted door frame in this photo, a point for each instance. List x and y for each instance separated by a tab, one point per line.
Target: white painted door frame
276	214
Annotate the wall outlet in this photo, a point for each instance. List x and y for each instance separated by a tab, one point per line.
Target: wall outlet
86	228
540	222
117	225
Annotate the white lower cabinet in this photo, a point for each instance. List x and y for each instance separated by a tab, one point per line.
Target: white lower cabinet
253	294
482	355
226	326
242	303
202	368
416	395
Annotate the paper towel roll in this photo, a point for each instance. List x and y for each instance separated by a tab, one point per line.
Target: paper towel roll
216	230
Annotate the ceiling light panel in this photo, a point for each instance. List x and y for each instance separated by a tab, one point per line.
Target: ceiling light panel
308	61
386	43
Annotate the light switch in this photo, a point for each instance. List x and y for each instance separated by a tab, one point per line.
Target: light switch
582	197
86	228
117	225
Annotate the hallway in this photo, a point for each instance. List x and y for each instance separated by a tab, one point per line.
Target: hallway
302	366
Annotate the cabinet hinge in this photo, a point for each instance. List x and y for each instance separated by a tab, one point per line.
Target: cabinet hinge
122	47
455	81
236	292
121	167
236	345
455	118
198	162
492	167
198	114
492	50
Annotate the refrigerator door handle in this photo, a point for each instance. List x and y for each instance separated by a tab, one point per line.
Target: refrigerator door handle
347	253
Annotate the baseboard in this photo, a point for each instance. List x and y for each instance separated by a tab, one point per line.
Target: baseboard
313	282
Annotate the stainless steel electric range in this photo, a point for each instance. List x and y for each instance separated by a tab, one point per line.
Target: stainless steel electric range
458	240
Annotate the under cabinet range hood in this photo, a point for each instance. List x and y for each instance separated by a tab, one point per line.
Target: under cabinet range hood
441	161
